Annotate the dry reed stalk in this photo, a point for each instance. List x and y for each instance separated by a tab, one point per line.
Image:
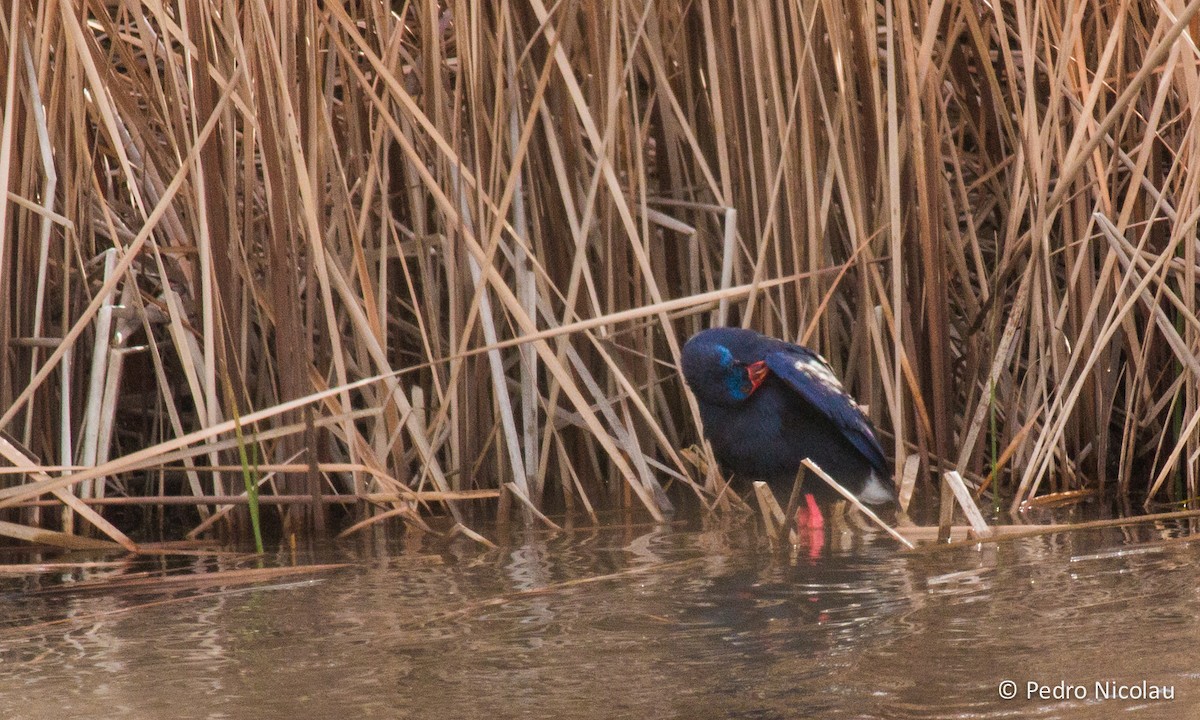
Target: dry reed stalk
510	216
768	507
963	495
170	581
1008	533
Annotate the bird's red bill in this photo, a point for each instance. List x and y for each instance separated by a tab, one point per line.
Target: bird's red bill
757	372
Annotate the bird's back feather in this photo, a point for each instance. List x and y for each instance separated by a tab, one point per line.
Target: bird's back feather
808	374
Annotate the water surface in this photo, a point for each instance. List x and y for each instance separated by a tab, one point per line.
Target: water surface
634	622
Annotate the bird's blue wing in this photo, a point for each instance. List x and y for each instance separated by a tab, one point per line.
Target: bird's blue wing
809	375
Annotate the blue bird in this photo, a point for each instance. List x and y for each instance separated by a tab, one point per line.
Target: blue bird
767	404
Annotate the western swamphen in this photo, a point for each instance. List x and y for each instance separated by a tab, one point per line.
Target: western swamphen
767	404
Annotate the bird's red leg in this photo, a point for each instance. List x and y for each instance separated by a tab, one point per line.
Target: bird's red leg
810	524
815	518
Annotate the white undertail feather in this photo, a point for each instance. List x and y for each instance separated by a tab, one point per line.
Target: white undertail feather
875	491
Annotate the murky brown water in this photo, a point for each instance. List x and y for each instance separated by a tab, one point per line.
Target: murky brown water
690	624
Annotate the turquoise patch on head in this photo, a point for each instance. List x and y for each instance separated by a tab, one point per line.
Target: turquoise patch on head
736	380
726	360
737	386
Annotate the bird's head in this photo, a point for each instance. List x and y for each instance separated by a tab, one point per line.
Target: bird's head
716	376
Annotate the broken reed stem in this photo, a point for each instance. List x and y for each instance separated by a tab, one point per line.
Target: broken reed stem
773	517
794	499
960	492
1013	533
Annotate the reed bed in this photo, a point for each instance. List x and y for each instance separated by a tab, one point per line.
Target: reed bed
410	252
